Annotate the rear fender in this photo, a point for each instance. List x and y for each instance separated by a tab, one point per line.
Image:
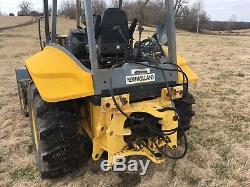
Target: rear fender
58	75
192	77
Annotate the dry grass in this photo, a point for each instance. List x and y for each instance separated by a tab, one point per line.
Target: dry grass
219	141
6	21
245	32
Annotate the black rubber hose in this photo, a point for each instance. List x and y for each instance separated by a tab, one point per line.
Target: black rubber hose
113	97
147	65
185	147
185	78
171	131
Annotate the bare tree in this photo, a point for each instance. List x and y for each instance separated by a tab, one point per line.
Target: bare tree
142	10
98	6
188	18
231	23
199	11
179	5
25	8
68	9
149	12
115	3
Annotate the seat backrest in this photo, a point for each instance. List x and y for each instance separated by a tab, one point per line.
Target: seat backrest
110	41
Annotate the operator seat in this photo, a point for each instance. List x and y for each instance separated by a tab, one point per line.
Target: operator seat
110	40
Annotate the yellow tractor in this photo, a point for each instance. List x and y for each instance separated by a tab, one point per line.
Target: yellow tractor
96	85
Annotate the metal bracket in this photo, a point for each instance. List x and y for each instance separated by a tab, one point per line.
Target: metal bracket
176	93
108	104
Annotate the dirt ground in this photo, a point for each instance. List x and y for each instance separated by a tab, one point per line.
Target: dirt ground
219	141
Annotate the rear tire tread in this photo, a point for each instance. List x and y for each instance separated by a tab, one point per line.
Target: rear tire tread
58	134
185	111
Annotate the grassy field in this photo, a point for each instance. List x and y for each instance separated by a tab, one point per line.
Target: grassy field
219	151
10	21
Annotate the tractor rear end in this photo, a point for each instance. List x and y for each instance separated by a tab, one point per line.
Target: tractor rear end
124	99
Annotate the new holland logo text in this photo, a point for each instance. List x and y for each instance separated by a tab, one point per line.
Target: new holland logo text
134	79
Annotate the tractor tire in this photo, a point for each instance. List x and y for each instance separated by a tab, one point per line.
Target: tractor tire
56	135
185	111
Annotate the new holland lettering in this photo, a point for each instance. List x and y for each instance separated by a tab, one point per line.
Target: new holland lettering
135	79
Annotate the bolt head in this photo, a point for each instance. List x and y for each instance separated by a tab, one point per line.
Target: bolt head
107	105
175	118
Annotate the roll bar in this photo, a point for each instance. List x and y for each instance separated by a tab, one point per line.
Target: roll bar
78	12
170	21
53	21
91	36
46	20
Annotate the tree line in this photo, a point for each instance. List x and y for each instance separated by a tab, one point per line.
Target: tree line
149	13
25	9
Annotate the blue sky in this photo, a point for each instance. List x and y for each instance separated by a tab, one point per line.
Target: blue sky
219	10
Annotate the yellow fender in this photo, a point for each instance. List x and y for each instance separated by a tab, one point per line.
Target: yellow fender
192	77
58	75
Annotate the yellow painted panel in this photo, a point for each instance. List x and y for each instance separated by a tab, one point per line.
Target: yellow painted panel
108	130
58	77
192	77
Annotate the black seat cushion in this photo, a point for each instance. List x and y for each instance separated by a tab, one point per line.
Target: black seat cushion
110	41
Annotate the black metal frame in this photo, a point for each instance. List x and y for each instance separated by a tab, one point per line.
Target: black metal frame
46	20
